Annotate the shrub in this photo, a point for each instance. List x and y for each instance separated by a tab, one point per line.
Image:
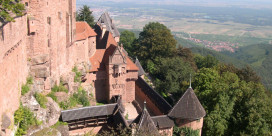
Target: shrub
25	89
41	99
184	131
79	97
24	118
53	96
29	80
77	77
59	88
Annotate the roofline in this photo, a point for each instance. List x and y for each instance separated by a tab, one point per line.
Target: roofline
178	102
89	107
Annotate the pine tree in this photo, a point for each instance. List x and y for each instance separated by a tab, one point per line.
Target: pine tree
85	14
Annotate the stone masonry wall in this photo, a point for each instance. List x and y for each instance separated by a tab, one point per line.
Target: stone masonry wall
195	125
13	64
52	30
151	107
132	76
92	45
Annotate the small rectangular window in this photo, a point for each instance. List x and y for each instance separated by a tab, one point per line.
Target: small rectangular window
60	15
49	20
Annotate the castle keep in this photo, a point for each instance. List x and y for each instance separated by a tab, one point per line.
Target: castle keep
47	43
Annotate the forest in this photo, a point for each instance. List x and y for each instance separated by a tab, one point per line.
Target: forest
236	101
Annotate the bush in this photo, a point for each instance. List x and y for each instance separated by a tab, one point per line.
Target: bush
29	80
80	97
24	118
77	77
41	99
184	131
59	88
25	89
53	96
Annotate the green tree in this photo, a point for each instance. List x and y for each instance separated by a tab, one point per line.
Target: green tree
205	62
234	106
9	9
170	75
85	14
187	55
127	38
155	42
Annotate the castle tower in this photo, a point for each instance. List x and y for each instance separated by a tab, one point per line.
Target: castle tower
144	125
117	68
188	112
105	22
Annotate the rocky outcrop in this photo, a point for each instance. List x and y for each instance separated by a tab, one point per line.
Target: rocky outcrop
6	122
41	59
53	112
49	116
40	71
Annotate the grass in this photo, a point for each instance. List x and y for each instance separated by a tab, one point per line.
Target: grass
59	123
26	87
59	88
53	96
41	99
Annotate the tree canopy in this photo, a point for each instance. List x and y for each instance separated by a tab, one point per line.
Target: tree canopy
127	38
85	14
235	101
9	9
154	42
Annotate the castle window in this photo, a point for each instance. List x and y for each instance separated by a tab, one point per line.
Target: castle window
26	4
49	20
117	70
60	15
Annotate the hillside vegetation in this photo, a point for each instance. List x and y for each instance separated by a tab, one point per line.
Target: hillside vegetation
259	56
235	100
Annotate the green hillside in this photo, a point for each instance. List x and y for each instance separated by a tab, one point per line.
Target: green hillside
221	57
259	56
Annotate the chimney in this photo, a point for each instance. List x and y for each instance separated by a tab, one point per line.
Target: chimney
104	29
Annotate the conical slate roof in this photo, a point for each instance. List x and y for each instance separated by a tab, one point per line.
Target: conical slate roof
188	107
141	70
106	20
145	124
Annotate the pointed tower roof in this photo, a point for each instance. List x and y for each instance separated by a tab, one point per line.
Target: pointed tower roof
141	70
188	107
106	20
145	124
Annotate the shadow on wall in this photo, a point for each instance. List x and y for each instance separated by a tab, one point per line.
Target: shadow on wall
101	90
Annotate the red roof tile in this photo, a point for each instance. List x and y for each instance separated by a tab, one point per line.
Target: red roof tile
101	56
83	31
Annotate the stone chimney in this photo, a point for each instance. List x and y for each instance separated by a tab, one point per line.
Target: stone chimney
104	29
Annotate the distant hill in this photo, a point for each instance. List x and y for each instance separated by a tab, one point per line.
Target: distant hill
221	57
259	56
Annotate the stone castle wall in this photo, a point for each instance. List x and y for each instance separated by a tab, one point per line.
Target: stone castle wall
51	32
195	125
151	107
13	64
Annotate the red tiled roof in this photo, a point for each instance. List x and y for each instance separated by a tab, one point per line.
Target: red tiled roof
83	31
101	56
131	65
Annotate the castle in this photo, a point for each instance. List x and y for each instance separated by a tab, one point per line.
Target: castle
47	43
